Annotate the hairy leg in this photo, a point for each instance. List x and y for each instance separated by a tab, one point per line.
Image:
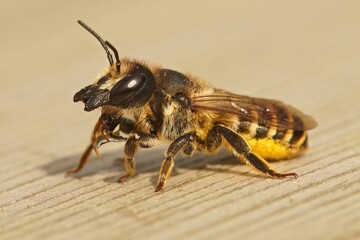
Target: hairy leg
240	148
135	140
101	134
184	143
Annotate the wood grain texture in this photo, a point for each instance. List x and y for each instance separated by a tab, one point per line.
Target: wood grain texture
306	54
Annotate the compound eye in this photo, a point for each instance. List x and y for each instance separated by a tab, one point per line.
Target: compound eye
126	88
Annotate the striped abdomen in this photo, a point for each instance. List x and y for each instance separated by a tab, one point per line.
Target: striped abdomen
292	137
273	129
278	135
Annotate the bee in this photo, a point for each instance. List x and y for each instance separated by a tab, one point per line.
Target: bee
143	104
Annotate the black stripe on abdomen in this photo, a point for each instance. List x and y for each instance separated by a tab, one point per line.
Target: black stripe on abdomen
243	127
296	137
261	132
279	135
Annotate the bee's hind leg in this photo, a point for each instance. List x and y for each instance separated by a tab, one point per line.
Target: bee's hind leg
263	166
241	148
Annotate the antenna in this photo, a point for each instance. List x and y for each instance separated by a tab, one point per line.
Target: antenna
109	56
116	55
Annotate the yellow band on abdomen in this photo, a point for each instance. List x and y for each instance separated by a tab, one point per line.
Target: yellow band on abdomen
273	149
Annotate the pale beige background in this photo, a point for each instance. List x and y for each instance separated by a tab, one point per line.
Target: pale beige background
305	53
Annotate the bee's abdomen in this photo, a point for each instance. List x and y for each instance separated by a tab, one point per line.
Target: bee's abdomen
275	122
272	143
294	138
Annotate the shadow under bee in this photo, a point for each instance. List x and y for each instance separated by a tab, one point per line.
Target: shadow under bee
148	161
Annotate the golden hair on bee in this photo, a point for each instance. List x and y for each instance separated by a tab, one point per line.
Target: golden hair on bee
143	104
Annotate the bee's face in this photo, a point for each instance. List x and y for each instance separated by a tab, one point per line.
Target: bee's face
132	88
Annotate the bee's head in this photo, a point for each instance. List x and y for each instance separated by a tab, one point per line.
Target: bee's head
124	87
129	90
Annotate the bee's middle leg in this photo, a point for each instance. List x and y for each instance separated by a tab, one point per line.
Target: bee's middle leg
185	143
241	148
135	140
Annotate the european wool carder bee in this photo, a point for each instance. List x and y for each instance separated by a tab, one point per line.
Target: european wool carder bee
149	104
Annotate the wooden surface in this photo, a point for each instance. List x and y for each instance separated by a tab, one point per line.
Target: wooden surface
306	54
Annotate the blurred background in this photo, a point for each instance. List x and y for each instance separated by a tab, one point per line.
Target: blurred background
305	53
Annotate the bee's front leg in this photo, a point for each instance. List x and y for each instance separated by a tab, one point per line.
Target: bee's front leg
185	142
135	140
83	160
100	135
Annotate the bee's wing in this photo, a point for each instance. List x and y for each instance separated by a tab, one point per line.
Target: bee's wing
265	112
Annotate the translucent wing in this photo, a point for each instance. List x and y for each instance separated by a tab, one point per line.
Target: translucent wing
265	112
